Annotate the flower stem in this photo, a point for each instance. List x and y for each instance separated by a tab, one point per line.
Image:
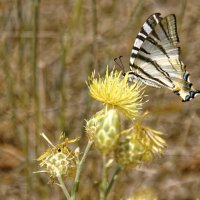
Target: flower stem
113	179
105	185
64	189
104	181
78	171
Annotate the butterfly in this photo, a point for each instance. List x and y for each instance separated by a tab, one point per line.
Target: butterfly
155	58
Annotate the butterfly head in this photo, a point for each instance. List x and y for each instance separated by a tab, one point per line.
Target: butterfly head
131	76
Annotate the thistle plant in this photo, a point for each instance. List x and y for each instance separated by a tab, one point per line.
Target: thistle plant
120	149
128	148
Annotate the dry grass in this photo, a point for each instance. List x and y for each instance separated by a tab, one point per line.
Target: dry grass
44	66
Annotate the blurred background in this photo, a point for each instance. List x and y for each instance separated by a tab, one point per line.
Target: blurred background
48	48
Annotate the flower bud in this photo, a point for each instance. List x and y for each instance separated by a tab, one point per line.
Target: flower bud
107	131
60	164
128	152
60	160
138	145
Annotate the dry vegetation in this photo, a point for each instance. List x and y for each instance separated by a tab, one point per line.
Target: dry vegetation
47	53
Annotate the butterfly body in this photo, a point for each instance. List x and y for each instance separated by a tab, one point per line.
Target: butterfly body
155	59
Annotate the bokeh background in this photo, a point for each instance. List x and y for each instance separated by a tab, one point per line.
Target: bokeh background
47	51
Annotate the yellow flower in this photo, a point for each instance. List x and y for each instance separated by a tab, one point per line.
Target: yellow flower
150	139
59	160
115	92
138	145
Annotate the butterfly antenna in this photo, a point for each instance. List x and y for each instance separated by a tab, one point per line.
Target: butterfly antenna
122	66
115	59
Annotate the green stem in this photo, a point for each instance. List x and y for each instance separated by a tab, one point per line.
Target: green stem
104	181
24	99
61	87
35	86
113	179
63	187
36	98
79	170
95	32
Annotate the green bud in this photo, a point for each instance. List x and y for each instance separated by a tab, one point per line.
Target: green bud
107	131
128	152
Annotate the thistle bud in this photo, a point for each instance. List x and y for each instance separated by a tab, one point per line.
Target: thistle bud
60	163
92	124
59	160
107	129
138	145
128	152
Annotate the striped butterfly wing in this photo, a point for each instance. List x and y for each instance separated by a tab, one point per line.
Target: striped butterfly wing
155	57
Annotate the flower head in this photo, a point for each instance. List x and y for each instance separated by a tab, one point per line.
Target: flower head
138	145
151	140
117	93
128	153
59	160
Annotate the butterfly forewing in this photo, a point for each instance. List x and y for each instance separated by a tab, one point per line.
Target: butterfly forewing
146	29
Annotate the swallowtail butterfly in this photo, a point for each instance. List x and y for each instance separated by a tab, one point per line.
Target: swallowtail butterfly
155	57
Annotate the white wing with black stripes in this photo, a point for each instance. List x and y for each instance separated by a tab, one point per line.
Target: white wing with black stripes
155	57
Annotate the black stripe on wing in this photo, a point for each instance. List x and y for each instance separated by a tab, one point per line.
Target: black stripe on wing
146	29
155	65
168	26
171	28
147	76
156	41
166	38
149	63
